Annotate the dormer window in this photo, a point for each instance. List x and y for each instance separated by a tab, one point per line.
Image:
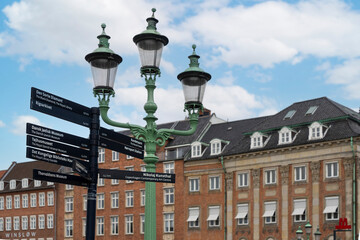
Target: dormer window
217	146
258	140
25	183
287	135
12	184
317	131
311	110
37	183
2	185
197	149
290	114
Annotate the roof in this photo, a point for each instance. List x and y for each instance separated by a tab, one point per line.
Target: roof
2	173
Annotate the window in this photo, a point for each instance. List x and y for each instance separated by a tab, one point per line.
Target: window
32	222
101	157
242	214
311	110
1	203
25	202
300	173
69	204
12	184
2	185
115	156
41	222
290	114
214	182
50	198
84	227
115	200
331	210
169	196
129	169
299	212
8	224
84	202
68	228
101	181
270	176
100	226
114	181
25	183
100	201
17	201
128	157
41	199
50	221
332	170
194	185
317	131
193	219
129	224
8	202
196	149
169	222
215	146
1	224
69	187
214	216
24	222
49	183
169	167
114	225
142	223
129	198
286	135
142	197
258	140
243	179
270	212
143	168
33	200
37	183
16	223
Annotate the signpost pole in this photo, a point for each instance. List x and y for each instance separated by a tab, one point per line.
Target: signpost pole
93	170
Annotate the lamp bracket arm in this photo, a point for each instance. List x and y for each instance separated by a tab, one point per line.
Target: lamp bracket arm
104	115
193	127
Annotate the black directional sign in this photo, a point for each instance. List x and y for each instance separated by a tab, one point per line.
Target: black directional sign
56	147
137	176
59	177
50	157
81	168
56	135
115	146
121	138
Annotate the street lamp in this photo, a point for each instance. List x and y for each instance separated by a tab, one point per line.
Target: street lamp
299	233
308	228
317	234
104	64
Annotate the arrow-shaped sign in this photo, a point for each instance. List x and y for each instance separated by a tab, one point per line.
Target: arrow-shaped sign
59	178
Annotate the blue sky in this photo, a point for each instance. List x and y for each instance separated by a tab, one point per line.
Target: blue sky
262	55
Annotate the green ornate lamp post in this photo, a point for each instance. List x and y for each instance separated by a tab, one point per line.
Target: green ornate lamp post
299	233
308	228
104	64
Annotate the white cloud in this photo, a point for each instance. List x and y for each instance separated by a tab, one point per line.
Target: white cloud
346	75
2	124
19	124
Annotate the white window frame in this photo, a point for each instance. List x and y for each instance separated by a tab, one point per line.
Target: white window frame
129	224
129	168
101	155
332	173
85	202
169	195
114	199
333	215
193	219
1	224
142	197
142	223
193	187
285	136
196	149
33	222
129	198
213	211
69	204
215	146
16	201
8	224
12	184
242	216
37	183
128	157
84	227
169	222
317	131
50	221
100	226
69	227
2	185
8	202
299	212
101	181
243	179
270	206
69	187
114	225
301	175
42	199
25	201
258	140
270	176
16	223
41	224
24	222
100	201
25	183
50	198
33	200
2	203
214	182
169	167
115	156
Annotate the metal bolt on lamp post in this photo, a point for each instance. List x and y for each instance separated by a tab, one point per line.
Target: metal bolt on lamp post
104	64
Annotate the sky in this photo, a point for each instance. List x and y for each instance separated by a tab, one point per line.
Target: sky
262	55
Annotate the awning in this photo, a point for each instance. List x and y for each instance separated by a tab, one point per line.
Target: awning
270	208
193	214
330	209
299	207
242	211
269	213
213	213
331	204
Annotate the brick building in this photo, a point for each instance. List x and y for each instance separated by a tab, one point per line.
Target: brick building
252	179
